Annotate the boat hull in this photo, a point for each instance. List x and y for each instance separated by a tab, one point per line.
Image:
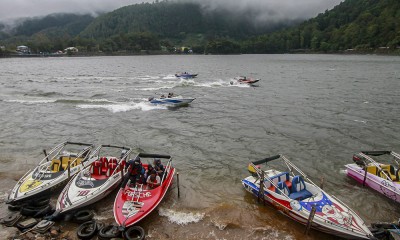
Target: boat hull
186	75
389	189
128	210
29	188
175	102
82	191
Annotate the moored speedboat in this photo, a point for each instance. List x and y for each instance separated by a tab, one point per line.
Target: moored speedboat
97	180
171	101
296	195
57	167
186	75
133	203
382	177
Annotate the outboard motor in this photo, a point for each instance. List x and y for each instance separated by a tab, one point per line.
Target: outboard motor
359	160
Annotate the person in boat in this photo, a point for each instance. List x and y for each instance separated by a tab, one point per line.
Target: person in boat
170	95
135	169
158	166
162	96
153	180
150	168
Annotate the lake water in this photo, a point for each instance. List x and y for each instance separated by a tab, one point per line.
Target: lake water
317	110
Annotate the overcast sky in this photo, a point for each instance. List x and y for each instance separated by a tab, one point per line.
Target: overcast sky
265	9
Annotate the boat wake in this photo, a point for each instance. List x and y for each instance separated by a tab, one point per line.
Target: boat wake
30	102
181	218
122	107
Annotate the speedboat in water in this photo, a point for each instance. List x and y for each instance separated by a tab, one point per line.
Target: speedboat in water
171	101
53	171
296	196
96	181
133	203
382	177
186	75
245	80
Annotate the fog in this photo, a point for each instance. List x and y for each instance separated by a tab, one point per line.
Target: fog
262	10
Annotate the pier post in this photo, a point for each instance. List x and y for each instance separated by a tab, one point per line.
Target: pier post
261	189
322	183
177	182
310	219
365	175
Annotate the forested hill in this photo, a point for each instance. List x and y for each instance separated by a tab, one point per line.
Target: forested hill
353	25
363	25
174	20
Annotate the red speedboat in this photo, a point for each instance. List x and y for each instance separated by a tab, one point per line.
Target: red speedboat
245	80
133	203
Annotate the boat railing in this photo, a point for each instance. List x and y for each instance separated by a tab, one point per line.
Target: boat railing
260	174
168	166
289	163
376	165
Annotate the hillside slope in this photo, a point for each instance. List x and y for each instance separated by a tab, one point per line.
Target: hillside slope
353	24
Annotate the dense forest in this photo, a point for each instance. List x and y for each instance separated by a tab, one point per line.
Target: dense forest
165	27
353	25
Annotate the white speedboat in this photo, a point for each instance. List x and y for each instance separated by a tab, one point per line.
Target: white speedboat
171	101
96	181
297	197
382	177
53	171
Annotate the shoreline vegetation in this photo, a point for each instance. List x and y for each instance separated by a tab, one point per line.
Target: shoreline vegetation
385	52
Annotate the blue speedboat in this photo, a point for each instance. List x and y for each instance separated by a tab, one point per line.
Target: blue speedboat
171	101
185	75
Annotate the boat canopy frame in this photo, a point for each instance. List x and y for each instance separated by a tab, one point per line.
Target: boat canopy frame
45	163
289	165
367	156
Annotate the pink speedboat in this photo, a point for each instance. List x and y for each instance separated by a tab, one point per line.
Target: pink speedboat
383	178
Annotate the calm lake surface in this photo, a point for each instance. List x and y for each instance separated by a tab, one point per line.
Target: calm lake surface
317	110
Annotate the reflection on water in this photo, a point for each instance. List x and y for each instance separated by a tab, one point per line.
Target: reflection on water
316	109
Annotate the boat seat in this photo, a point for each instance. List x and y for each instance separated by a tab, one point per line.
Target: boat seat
77	162
373	170
398	175
282	177
282	188
389	170
298	190
104	165
55	165
111	167
64	162
95	169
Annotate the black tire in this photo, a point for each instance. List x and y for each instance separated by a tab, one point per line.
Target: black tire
382	234
41	202
108	232
44	212
67	217
83	216
30	211
14	207
87	230
134	232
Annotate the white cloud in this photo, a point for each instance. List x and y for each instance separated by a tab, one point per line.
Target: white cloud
264	9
